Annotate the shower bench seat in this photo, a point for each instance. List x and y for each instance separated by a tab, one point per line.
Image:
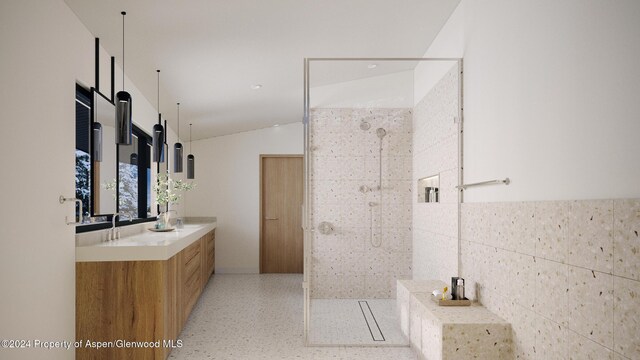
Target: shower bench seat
449	332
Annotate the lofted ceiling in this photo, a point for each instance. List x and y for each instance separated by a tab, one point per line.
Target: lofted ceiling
211	52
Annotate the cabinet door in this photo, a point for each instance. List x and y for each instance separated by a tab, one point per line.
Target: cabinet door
191	278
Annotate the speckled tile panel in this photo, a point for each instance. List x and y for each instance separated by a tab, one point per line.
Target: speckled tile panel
551	290
521	227
260	317
590	298
345	158
590	235
435	151
523	324
551	340
404	292
522	277
464	331
553	275
480	341
551	230
627	238
581	348
626	314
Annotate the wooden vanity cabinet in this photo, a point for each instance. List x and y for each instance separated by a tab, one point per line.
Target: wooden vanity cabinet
140	300
191	284
209	254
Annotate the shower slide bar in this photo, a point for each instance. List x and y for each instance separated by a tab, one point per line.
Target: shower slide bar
506	181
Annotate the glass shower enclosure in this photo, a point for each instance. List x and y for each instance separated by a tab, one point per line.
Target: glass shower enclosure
360	191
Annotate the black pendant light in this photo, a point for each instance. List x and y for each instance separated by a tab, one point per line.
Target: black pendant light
97	141
177	149
191	160
158	133
123	106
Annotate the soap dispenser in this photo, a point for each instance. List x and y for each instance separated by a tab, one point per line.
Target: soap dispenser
460	289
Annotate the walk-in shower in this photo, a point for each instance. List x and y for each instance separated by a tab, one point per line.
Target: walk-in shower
359	181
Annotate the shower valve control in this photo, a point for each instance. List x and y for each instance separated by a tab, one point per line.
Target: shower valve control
325	228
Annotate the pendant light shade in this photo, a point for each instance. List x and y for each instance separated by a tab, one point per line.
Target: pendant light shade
177	149
191	160
157	138
191	166
158	142
178	155
123	118
123	106
97	141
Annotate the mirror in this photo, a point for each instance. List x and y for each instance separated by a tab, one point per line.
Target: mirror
109	178
104	155
134	176
163	170
128	158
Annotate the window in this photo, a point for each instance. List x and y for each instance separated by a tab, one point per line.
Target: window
134	176
109	178
83	151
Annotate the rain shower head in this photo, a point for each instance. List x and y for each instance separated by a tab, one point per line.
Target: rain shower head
364	125
381	133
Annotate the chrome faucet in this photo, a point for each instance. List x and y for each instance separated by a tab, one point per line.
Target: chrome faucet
112	233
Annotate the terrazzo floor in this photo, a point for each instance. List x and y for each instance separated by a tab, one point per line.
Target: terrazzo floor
260	317
342	322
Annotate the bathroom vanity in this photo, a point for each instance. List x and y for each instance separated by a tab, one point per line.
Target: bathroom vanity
140	288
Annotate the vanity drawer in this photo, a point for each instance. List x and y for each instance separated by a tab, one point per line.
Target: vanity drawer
190	294
192	266
191	251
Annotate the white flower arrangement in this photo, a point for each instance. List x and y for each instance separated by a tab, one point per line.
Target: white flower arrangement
167	190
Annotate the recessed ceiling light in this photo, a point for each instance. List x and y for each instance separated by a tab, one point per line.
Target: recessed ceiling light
276	125
256	86
372	66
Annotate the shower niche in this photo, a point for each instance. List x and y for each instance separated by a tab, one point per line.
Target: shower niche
429	189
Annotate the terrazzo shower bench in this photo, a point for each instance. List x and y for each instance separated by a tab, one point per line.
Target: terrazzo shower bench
449	332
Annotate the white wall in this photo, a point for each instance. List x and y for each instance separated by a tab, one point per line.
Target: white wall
550	98
228	187
393	90
448	44
45	50
549	89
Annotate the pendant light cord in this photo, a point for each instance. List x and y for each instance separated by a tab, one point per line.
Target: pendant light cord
190	138
123	14
178	122
158	95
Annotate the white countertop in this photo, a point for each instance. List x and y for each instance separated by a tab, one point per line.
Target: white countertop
148	245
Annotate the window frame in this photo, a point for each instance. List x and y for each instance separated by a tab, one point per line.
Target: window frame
144	162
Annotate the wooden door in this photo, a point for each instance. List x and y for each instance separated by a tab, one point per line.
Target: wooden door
281	214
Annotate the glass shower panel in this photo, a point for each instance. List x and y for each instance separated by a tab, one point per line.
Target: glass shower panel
360	198
361	191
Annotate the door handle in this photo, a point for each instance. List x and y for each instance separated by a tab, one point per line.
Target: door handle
271	218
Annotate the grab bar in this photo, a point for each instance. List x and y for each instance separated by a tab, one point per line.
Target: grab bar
506	181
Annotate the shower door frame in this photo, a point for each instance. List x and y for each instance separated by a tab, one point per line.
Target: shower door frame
308	228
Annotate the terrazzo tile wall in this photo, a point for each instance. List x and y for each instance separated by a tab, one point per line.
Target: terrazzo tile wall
565	274
435	147
343	158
